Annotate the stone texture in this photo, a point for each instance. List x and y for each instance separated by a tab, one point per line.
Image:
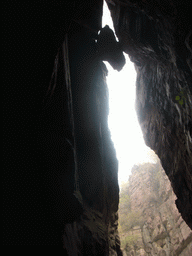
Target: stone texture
156	36
95	164
162	230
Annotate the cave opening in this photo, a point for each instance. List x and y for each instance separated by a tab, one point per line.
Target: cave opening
60	165
125	130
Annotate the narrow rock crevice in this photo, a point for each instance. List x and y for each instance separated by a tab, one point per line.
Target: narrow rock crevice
60	175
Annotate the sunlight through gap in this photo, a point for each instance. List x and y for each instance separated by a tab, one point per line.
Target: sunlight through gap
123	124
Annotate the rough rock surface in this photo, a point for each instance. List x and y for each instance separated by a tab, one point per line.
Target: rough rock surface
157	36
161	230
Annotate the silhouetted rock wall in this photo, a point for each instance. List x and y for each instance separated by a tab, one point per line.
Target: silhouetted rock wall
156	35
96	164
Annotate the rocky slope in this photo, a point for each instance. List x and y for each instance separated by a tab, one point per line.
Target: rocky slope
154	226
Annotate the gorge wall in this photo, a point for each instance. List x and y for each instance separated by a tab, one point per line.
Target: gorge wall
150	223
60	185
157	37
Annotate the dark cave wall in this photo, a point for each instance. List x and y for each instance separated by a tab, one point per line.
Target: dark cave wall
166	126
95	150
96	185
38	175
157	35
60	177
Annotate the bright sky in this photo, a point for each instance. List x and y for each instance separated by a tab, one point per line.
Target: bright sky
125	130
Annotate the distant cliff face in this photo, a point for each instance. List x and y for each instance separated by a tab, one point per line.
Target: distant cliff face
150	223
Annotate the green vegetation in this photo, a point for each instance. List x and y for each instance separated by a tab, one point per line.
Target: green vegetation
129	220
181	97
129	241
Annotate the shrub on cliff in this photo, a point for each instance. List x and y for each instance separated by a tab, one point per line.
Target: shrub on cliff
129	241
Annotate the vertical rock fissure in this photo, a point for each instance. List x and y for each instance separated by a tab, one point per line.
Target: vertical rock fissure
54	154
70	103
168	238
